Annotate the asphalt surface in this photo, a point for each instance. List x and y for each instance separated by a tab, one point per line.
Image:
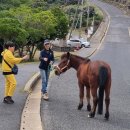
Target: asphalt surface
10	115
60	112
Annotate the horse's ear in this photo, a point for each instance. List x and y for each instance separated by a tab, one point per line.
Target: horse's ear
68	55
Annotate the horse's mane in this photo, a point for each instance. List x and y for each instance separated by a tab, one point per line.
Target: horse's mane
81	58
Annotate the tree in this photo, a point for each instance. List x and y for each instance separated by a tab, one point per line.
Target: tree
21	13
62	22
39	26
9	28
28	22
7	4
12	30
6	14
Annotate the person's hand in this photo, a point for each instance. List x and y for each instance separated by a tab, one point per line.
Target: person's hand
50	67
45	59
54	66
51	62
26	57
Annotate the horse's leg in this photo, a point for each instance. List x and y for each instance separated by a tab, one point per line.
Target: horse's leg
81	96
88	98
107	99
95	100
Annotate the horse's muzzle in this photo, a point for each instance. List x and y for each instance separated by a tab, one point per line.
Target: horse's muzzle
57	72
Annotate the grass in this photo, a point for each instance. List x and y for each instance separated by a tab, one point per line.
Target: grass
57	55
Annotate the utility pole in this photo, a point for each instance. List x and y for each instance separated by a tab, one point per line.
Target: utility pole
93	19
77	22
74	19
81	15
87	14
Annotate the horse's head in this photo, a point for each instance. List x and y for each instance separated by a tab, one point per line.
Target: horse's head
64	64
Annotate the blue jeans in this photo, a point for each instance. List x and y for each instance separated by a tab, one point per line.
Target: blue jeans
44	76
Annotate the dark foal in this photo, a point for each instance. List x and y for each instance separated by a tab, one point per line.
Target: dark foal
92	74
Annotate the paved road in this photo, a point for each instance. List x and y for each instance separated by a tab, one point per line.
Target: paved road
10	115
61	113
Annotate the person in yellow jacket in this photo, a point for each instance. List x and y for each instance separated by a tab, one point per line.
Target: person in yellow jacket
10	81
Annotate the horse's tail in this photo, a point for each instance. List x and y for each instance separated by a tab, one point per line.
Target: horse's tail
103	75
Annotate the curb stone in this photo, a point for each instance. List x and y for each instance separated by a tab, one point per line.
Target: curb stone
104	26
31	119
30	84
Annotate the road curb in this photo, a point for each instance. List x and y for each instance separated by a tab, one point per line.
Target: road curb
30	84
98	37
31	119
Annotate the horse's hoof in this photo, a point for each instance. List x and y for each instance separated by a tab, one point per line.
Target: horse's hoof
91	115
107	116
88	107
80	106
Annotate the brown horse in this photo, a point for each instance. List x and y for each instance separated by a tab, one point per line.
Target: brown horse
93	75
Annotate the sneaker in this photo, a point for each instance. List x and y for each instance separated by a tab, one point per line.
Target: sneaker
8	100
11	99
45	96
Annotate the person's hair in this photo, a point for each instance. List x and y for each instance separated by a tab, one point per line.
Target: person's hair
9	44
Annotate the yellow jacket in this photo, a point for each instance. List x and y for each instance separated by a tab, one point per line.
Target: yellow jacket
9	57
